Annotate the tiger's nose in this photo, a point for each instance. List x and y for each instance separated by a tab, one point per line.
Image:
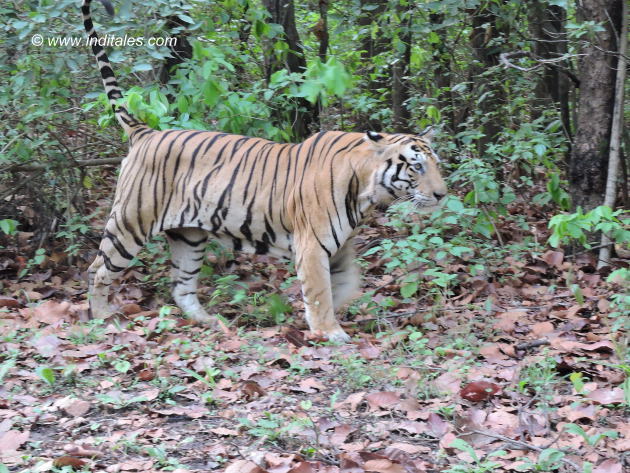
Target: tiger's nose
438	195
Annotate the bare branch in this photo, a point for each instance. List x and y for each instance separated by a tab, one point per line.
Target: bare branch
506	60
80	163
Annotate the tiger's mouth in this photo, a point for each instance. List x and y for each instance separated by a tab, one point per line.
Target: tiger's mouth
421	200
425	203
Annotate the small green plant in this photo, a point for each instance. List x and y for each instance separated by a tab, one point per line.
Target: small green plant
5	368
475	464
90	332
576	226
70	231
269	426
210	378
46	374
120	402
9	226
36	260
591	440
162	459
121	365
577	379
539	378
356	370
555	193
550	459
620	302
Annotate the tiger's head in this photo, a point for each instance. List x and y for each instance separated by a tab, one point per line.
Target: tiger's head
409	169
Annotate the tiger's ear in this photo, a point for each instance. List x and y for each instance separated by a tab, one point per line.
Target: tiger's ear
428	133
372	136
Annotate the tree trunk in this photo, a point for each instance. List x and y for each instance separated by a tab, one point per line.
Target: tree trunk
441	57
244	32
547	24
181	51
371	46
321	29
589	156
400	71
306	117
485	41
615	134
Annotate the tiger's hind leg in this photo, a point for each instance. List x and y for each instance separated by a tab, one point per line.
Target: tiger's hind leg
116	250
345	276
187	253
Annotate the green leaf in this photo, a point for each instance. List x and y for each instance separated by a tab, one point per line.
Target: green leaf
182	103
464	446
550	457
142	67
454	204
186	18
540	149
260	28
5	367
277	306
8	226
409	289
46	374
122	366
433	113
433	38
211	93
310	90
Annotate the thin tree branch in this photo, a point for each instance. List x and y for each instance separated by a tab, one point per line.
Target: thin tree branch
520	443
505	59
80	163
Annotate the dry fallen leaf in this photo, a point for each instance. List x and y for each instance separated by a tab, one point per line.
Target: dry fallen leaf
9	302
553	258
607	396
252	389
77	408
382	400
295	337
437	425
46	345
82	451
74	462
50	312
478	391
146	374
369	351
12	440
352	401
609	466
383	466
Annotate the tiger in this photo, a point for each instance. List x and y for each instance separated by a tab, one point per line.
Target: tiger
304	201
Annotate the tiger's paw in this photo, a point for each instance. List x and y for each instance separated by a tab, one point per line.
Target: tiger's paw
338	336
213	323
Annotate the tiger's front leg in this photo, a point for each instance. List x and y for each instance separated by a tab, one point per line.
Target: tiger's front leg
313	270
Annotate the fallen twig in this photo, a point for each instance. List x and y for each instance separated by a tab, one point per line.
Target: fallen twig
520	443
533	344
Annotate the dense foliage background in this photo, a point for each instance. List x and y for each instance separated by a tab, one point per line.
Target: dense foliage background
529	101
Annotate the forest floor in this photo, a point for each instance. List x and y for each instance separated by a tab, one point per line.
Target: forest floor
517	372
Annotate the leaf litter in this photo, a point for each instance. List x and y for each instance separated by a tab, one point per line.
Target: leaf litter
506	367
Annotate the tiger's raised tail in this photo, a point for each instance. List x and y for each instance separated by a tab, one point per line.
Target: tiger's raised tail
113	91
